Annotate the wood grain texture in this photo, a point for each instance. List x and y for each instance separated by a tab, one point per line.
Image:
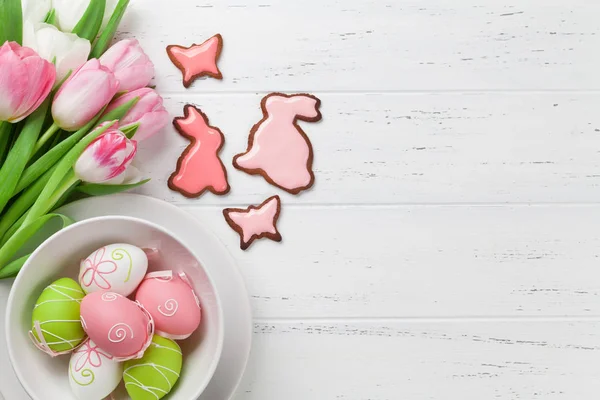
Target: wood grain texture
353	45
412	149
422	261
424	360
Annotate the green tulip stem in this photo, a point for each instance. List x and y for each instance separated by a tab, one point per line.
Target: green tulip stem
45	137
5	129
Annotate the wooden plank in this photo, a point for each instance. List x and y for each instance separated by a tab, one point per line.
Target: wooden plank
424	360
334	45
416	261
420	148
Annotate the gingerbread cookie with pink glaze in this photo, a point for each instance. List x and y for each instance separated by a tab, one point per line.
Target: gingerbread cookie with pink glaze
199	168
255	222
197	60
278	149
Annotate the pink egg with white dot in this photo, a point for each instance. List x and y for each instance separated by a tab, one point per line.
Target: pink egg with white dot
119	326
172	302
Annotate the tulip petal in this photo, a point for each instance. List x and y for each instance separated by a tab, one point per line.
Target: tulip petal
12	82
40	79
25	81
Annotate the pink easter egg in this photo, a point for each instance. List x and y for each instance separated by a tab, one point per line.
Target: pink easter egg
118	326
172	302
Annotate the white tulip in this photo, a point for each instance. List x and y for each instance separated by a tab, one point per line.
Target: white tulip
69	12
36	10
67	50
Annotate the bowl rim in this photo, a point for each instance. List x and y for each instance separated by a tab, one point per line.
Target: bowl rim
91	221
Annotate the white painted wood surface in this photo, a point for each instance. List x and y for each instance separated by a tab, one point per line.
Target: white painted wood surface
450	247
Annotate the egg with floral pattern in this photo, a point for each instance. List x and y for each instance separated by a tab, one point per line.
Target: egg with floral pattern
93	373
172	302
117	268
119	326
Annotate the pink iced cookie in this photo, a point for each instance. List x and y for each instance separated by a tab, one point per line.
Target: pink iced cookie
197	60
172	302
255	222
199	168
278	149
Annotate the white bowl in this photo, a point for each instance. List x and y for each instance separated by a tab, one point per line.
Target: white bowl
46	378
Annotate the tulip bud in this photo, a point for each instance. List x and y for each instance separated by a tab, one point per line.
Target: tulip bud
83	95
69	12
67	50
129	63
25	81
148	112
106	158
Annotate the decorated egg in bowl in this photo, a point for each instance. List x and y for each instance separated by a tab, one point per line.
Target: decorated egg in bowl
117	268
56	328
170	299
93	373
119	326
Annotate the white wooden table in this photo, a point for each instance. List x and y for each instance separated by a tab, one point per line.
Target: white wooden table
451	246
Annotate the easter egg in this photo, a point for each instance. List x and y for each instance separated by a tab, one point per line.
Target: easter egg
171	301
56	328
117	268
93	373
119	326
154	375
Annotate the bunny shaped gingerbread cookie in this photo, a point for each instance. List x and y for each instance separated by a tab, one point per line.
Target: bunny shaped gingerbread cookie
199	168
278	149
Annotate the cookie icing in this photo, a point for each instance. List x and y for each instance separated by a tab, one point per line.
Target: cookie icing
278	149
255	222
197	60
199	168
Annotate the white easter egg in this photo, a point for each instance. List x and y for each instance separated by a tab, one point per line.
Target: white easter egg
93	374
117	268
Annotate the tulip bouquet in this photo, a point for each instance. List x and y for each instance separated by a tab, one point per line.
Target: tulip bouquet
72	110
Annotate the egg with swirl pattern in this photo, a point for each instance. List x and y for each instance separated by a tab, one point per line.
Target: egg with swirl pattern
117	268
170	299
119	326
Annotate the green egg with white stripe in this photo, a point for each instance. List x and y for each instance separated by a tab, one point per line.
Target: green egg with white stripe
56	327
155	374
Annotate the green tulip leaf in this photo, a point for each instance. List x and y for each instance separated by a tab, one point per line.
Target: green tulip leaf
108	33
51	18
14	244
91	22
95	189
131	130
19	155
12	269
11	21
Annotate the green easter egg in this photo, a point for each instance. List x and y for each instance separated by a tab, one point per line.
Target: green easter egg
154	375
57	312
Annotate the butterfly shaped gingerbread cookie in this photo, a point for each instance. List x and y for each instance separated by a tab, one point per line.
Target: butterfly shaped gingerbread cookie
255	222
197	60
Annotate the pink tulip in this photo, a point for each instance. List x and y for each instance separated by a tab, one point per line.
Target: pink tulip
106	158
129	63
83	95
25	81
148	112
